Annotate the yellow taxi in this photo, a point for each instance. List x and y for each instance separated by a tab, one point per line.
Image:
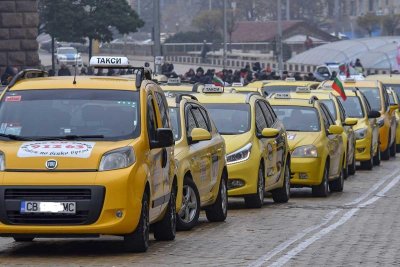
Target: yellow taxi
315	141
200	161
241	89
338	114
288	85
394	100
378	98
391	81
70	168
174	85
256	145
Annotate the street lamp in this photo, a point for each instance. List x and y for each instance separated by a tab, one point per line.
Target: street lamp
225	30
279	43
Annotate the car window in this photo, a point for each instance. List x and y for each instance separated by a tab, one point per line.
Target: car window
353	107
261	123
151	119
327	115
199	117
331	107
267	113
342	111
373	97
206	118
190	121
163	107
175	122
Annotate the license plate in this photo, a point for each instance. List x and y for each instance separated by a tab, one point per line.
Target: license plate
48	207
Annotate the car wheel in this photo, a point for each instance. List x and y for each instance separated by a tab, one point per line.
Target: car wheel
138	241
188	215
257	200
322	190
337	184
377	158
386	154
165	229
393	149
352	166
282	195
218	211
23	239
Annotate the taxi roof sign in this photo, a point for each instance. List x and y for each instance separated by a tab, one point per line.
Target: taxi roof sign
237	84
109	62
350	80
174	81
290	80
282	96
303	90
212	89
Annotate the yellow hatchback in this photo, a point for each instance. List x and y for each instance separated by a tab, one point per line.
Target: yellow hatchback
87	157
315	141
200	161
394	100
257	149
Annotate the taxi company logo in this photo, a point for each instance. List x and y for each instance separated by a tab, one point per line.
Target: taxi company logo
109	60
68	149
51	164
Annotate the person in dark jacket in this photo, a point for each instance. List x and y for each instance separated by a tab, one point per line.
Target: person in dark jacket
64	71
8	74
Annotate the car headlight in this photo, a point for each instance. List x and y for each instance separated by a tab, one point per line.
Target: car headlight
240	155
2	162
380	122
360	133
117	159
308	151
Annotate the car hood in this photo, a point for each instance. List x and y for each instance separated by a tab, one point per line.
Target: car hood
296	139
70	155
235	142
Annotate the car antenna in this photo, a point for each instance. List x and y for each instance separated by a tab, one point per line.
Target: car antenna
76	66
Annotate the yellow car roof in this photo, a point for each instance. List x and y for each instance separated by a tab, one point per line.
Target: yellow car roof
294	83
218	98
385	78
258	84
291	102
351	84
177	87
82	82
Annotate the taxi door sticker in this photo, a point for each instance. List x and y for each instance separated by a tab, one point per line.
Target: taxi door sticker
214	168
68	149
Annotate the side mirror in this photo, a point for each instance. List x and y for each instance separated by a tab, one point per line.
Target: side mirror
335	129
164	138
373	114
269	133
350	122
199	134
393	107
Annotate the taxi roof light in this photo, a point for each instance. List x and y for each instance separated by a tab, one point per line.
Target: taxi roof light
174	81
212	89
303	90
237	85
350	80
282	96
290	79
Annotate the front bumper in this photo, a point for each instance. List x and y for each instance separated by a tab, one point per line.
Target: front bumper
247	173
70	62
363	149
112	192
306	171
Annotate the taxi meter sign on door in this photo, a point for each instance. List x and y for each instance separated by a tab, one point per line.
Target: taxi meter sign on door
56	149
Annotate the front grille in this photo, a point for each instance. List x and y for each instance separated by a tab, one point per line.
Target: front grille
89	203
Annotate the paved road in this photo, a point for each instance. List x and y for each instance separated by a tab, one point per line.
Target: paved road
360	226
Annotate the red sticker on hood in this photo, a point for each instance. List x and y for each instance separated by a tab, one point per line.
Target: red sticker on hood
13	98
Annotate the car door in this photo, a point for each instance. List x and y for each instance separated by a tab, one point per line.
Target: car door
266	145
154	160
278	143
334	144
213	149
372	122
167	152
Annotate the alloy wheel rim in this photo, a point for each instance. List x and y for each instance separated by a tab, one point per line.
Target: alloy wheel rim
190	204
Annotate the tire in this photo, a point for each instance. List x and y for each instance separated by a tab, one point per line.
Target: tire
385	155
256	201
165	230
377	158
138	241
23	239
337	184
393	149
322	190
352	166
282	195
189	214
218	211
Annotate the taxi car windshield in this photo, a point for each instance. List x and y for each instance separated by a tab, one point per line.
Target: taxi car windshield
230	119
353	107
280	88
331	107
67	51
373	97
298	119
70	114
175	122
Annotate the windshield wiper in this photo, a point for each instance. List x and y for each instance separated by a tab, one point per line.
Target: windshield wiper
69	137
15	137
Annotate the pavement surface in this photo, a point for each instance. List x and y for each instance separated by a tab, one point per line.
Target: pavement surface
360	226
